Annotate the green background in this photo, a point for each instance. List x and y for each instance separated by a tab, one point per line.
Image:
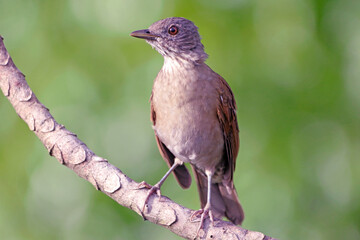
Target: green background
294	67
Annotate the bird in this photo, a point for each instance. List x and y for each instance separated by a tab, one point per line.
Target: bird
193	114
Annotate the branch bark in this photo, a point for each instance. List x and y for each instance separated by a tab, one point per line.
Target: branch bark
73	153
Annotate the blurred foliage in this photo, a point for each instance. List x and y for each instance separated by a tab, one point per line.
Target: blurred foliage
293	65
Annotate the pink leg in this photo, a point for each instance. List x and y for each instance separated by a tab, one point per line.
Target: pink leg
157	186
206	211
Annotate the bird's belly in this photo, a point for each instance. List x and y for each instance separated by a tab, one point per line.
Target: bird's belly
191	131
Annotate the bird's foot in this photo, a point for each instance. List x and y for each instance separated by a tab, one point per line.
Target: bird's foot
153	189
205	212
143	184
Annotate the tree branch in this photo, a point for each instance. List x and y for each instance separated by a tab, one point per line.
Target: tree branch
73	153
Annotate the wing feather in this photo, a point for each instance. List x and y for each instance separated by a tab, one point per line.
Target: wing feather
226	112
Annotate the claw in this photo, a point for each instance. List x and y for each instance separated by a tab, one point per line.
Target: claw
152	190
144	184
205	212
156	187
196	215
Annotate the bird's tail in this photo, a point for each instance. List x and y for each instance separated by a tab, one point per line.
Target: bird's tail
224	199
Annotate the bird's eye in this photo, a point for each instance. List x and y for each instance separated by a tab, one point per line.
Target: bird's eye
173	30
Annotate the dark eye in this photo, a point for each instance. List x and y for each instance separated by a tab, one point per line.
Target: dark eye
173	30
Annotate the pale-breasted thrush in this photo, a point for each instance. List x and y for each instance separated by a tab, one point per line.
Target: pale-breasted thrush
193	112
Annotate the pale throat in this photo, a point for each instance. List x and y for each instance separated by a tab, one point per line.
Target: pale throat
173	65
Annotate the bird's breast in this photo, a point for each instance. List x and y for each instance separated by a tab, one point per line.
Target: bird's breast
186	117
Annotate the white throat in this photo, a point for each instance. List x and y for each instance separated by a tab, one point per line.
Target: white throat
172	65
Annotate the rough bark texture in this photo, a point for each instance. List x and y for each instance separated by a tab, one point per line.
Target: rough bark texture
73	153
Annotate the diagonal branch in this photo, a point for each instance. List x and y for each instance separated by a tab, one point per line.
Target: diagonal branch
73	153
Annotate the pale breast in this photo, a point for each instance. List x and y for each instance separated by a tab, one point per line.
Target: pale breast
186	120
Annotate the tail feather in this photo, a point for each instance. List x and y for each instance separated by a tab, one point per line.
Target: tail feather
234	212
224	200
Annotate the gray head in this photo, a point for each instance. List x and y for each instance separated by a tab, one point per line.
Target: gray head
175	38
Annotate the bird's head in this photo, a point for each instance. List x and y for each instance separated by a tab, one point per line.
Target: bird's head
176	38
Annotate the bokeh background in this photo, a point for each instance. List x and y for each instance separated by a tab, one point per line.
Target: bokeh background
294	67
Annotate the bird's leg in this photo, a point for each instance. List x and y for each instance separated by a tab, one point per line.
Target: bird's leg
157	186
206	211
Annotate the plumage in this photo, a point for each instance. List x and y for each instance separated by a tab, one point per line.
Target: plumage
193	112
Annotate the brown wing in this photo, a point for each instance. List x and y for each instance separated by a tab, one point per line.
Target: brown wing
181	173
226	112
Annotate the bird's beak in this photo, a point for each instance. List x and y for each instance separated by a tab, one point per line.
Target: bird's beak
144	34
